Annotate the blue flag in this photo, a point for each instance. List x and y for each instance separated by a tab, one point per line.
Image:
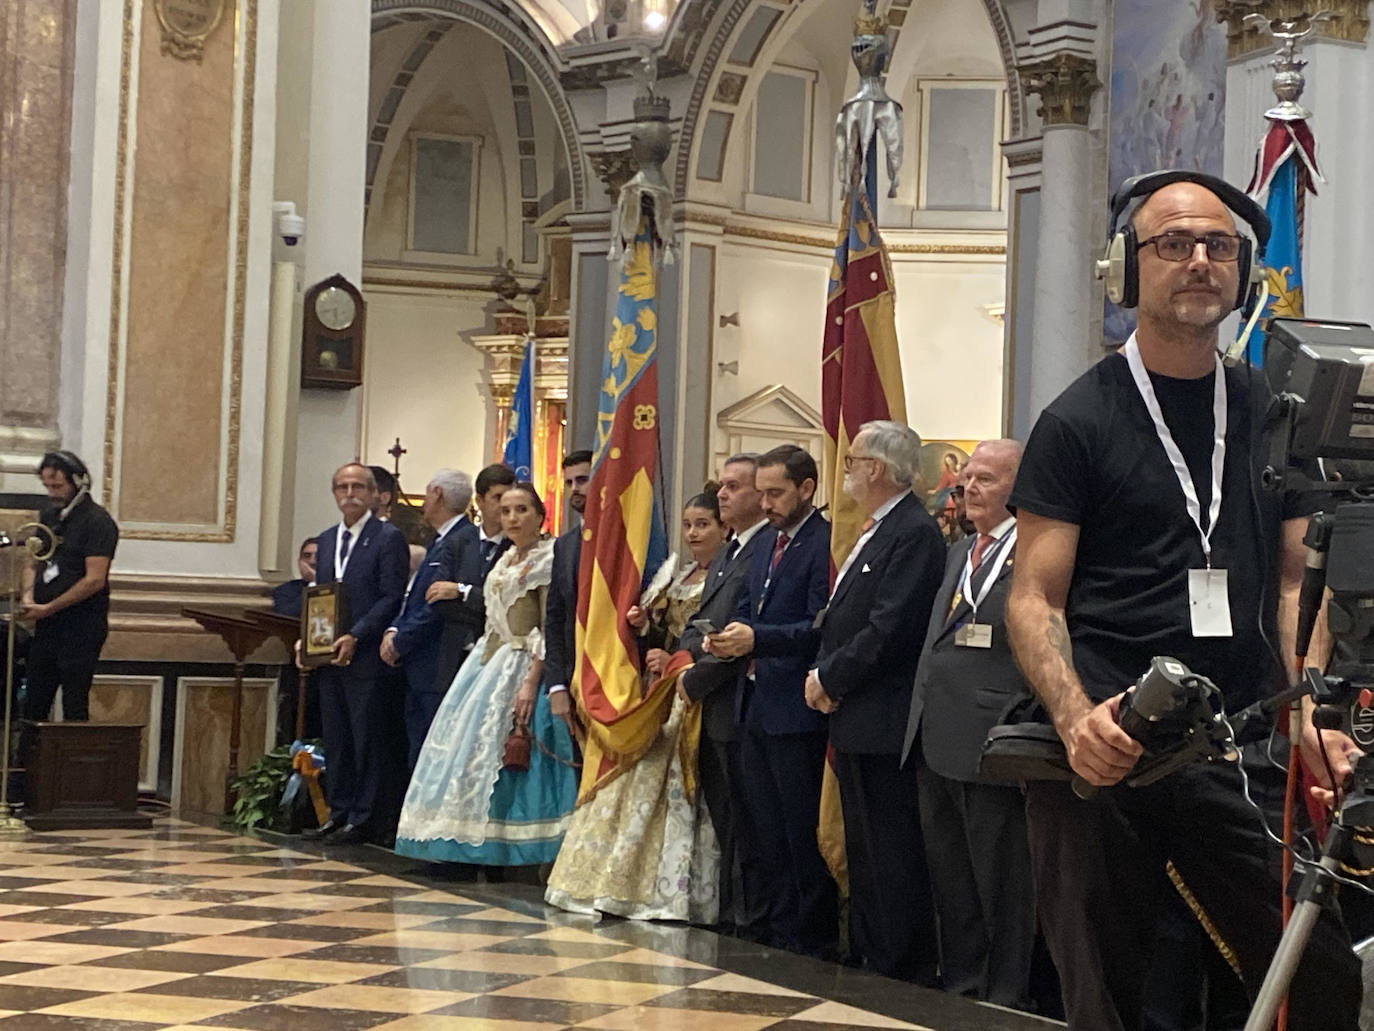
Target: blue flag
519	453
1284	258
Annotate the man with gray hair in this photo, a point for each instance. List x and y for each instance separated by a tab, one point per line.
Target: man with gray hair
863	678
975	829
412	642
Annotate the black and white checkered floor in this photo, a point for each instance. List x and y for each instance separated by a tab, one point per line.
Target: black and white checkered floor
188	926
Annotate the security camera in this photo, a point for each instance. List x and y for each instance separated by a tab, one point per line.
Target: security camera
290	226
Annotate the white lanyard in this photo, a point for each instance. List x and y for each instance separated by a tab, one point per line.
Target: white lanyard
1185	477
1003	545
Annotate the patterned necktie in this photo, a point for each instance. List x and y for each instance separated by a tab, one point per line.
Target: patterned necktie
731	550
779	546
980	549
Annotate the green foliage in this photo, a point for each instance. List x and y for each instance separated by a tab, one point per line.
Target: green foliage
258	792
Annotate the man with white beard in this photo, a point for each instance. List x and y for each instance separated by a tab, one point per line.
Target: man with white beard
864	673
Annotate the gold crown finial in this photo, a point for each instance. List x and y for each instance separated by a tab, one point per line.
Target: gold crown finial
869	22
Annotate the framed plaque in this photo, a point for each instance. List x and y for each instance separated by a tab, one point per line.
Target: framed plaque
323	616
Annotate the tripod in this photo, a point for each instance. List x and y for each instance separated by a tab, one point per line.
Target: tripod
1316	890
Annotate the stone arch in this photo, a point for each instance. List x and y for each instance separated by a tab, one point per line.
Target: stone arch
518	34
709	60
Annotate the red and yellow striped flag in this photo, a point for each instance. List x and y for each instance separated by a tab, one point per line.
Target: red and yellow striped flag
861	380
622	534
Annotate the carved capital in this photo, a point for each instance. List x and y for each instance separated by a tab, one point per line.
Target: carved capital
1350	23
614	168
1065	83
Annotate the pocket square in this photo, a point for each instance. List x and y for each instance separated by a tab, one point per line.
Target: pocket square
867	568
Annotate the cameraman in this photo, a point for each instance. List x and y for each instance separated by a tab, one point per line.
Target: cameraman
1128	548
69	593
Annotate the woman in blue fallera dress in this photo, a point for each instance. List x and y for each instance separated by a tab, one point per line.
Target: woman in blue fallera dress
462	805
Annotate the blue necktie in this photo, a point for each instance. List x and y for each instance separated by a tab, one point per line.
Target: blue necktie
343	546
488	551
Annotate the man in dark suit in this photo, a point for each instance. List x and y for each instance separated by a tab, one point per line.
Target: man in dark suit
467	557
412	642
715	683
560	609
975	830
370	558
288	597
783	742
287	600
863	678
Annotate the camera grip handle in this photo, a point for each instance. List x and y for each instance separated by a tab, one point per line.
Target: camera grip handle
1087	792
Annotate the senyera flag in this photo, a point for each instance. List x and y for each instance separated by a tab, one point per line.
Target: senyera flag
861	381
622	534
861	368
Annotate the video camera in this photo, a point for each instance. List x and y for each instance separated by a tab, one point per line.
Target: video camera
1174	713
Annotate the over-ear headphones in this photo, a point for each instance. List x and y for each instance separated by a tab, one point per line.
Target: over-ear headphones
73	467
1120	265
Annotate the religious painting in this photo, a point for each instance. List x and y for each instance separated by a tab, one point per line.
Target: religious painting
1168	101
321	616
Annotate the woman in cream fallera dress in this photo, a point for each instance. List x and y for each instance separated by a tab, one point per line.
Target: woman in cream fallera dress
642	847
462	805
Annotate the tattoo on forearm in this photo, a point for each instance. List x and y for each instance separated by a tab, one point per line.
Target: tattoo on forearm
1057	633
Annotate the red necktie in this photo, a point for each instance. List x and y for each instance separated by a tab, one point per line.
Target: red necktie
980	549
779	546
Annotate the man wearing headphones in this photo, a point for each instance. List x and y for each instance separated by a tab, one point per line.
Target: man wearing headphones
68	594
1143	532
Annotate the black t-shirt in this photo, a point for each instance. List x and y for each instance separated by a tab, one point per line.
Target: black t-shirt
87	532
1095	460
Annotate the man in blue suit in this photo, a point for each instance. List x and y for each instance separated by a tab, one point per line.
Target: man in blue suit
468	555
370	558
412	642
783	741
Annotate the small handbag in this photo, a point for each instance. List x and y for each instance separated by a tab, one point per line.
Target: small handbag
516	755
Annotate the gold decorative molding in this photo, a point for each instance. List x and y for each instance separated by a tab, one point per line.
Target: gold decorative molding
1350	24
1065	84
186	25
117	259
823	243
246	49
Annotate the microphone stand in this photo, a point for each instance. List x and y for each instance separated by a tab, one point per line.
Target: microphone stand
40	543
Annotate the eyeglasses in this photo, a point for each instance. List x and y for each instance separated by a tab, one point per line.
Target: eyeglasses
1178	245
849	460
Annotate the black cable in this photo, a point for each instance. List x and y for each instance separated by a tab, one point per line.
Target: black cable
1330	773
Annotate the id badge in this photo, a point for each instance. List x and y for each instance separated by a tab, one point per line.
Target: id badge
1209	603
974	635
50	572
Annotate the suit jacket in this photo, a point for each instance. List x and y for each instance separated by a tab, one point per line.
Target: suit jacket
374	582
420	626
464	619
961	693
712	681
560	610
866	660
782	609
288	597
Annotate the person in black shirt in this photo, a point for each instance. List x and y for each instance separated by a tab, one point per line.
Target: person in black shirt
1129	548
68	595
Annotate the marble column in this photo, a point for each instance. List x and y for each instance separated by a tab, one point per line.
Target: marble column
1067	301
332	147
37	55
